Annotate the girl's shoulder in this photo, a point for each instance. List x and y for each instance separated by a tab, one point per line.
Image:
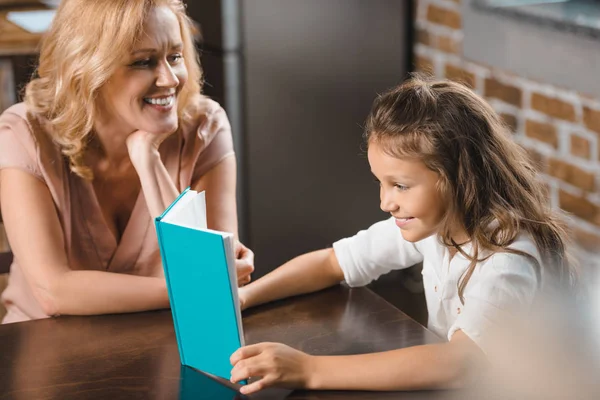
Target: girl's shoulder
521	257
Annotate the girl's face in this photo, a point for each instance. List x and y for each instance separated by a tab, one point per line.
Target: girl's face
142	93
408	192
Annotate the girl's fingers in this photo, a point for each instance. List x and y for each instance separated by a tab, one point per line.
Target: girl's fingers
260	384
246	352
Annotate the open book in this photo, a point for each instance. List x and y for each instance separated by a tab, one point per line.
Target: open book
199	266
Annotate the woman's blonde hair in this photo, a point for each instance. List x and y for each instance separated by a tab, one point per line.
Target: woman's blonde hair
88	40
486	178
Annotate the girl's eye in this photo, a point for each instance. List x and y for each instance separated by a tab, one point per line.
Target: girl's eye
401	187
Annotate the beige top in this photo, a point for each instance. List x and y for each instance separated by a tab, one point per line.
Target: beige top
90	245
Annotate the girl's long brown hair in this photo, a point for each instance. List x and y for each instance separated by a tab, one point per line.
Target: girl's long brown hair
488	180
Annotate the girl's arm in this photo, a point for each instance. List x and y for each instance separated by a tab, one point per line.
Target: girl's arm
36	239
436	366
304	274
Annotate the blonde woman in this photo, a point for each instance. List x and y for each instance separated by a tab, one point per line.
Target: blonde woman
113	127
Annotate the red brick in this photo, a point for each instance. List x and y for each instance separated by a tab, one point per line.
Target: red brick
443	16
460	75
511	121
423	64
591	118
508	93
587	240
553	107
581	147
542	132
423	36
539	161
580	207
571	174
448	45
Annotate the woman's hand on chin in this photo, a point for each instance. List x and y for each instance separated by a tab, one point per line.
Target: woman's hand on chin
142	145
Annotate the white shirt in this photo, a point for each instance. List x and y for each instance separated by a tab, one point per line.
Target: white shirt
504	283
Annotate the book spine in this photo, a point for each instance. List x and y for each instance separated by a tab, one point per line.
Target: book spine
163	255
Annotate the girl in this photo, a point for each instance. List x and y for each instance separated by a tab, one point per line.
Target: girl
465	201
112	129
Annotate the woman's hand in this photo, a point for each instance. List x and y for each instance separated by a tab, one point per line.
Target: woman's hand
140	144
274	363
242	297
244	263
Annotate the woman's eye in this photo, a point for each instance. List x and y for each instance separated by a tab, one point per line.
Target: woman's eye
401	187
141	63
175	58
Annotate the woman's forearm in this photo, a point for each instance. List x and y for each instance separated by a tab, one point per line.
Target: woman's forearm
304	274
99	292
159	190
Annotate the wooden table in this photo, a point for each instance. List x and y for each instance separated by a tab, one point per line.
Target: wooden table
134	356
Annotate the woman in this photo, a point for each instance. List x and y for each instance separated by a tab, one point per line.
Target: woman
113	127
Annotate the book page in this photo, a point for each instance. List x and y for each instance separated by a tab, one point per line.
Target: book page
229	243
189	211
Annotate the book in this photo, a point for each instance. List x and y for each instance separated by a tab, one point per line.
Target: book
199	266
196	385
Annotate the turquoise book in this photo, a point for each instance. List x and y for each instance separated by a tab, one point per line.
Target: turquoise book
199	266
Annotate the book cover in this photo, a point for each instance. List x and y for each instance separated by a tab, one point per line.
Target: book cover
199	266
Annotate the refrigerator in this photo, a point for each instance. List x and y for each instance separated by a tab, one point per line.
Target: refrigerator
297	79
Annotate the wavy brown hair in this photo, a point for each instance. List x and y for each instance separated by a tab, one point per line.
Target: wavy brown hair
487	179
87	41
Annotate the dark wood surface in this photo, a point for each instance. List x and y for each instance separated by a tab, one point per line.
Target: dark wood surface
134	356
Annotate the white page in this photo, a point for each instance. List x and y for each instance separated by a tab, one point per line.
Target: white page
189	211
37	21
179	207
229	251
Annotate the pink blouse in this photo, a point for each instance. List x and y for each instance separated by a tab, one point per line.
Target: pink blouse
90	245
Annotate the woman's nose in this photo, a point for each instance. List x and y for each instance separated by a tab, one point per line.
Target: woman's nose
166	77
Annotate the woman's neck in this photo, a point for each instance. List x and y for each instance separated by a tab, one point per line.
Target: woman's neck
109	144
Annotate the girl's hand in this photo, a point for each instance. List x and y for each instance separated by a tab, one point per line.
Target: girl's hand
275	364
244	263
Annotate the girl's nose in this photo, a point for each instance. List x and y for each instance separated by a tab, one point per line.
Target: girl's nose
387	203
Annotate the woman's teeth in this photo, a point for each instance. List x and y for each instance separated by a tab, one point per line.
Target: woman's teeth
162	101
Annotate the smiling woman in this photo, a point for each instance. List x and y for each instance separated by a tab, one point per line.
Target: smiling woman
113	127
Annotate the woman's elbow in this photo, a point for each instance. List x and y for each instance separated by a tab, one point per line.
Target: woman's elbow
48	297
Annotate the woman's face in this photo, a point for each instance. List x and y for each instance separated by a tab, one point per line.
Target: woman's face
142	93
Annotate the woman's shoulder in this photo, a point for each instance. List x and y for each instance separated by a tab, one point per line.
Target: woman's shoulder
204	118
23	122
24	139
15	128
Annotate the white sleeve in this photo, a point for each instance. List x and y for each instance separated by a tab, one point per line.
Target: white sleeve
504	288
374	252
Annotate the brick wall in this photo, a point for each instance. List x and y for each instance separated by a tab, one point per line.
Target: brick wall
559	127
